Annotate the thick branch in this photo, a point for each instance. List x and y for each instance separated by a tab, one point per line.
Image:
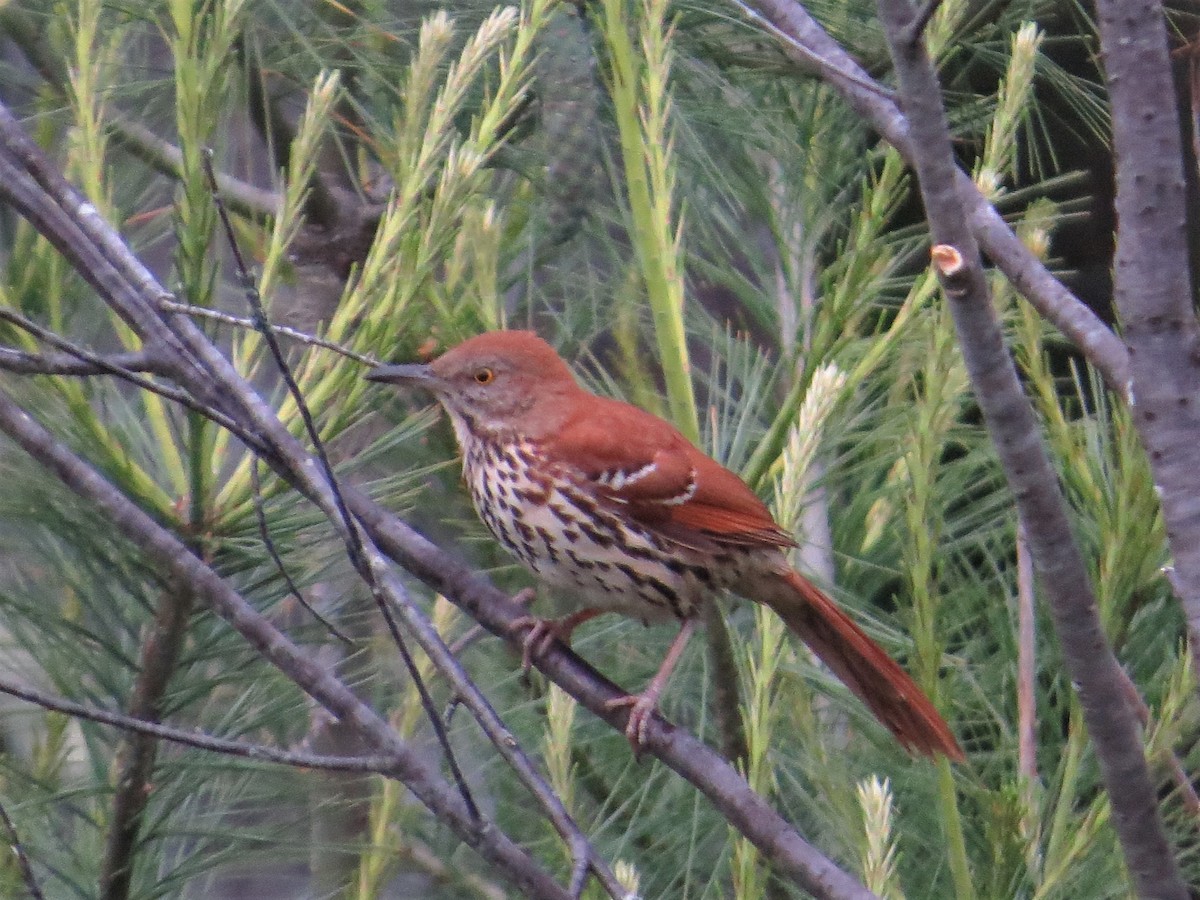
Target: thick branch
1013	428
1151	279
391	597
72	224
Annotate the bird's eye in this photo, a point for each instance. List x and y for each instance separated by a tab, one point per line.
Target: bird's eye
485	376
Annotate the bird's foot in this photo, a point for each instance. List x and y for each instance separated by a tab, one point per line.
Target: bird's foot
642	708
542	633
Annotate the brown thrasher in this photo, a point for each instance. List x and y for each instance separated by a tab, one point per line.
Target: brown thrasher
613	506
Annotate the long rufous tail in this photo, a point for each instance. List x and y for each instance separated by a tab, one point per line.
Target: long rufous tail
863	666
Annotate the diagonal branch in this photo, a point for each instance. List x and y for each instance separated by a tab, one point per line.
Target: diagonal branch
177	561
390	595
156	152
1013	428
77	360
781	845
18	849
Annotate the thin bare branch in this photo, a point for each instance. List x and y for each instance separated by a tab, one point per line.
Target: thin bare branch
354	543
22	362
89	363
264	534
381	765
303	337
688	756
391	598
158	153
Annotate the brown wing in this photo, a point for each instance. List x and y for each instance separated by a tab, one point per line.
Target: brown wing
643	464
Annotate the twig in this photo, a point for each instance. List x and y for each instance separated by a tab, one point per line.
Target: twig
312	340
475	632
22	362
158	153
42	195
381	765
813	58
94	363
444	870
1013	429
388	593
18	850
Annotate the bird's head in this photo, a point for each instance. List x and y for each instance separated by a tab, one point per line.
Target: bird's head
499	381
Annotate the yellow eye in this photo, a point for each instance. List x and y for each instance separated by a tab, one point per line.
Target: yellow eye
484	376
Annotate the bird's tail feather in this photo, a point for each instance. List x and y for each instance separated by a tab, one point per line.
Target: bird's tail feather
863	666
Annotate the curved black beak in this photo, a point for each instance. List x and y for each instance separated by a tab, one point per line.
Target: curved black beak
415	374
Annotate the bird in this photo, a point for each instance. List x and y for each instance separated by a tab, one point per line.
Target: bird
613	507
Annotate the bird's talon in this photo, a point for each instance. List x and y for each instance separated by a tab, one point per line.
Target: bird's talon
540	634
642	709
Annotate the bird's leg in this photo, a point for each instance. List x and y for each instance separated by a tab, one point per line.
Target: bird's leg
643	705
544	632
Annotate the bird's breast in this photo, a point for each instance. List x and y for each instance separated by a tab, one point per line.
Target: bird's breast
578	543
